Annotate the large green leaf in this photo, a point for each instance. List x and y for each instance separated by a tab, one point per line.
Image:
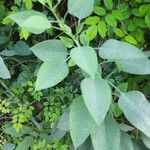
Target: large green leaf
136	109
80	8
146	140
9	146
4	72
97	97
116	50
34	21
81	122
25	144
48	49
137	66
51	73
85	57
126	142
107	135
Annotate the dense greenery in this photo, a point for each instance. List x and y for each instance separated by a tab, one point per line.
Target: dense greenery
74	74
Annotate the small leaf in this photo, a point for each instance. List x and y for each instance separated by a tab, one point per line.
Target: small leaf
91	32
110	20
130	39
108	4
81	122
51	73
136	109
99	11
80	9
118	15
49	49
92	20
97	97
102	29
4	72
119	32
67	41
86	58
107	135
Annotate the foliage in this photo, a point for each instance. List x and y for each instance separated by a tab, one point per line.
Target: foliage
74	74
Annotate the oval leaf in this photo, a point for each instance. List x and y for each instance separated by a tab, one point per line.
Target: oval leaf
81	122
116	50
136	109
51	73
86	58
80	8
49	49
97	97
106	136
4	72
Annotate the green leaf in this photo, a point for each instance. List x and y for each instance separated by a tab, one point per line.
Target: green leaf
135	66
9	146
67	41
49	49
80	9
97	97
91	32
122	87
118	15
108	4
51	73
147	20
85	57
81	122
4	72
143	9
119	32
136	109
116	110
102	29
130	39
116	50
99	11
107	135
34	21
92	20
146	140
110	20
25	144
126	142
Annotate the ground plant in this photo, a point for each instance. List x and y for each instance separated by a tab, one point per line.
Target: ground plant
74	75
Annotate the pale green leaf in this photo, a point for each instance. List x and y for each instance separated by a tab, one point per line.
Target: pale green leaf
51	73
81	122
25	144
48	49
107	135
135	66
33	21
126	142
136	109
108	4
116	50
80	8
4	72
86	58
92	20
97	97
99	11
9	146
146	140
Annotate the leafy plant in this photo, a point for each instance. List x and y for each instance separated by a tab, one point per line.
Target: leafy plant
104	104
